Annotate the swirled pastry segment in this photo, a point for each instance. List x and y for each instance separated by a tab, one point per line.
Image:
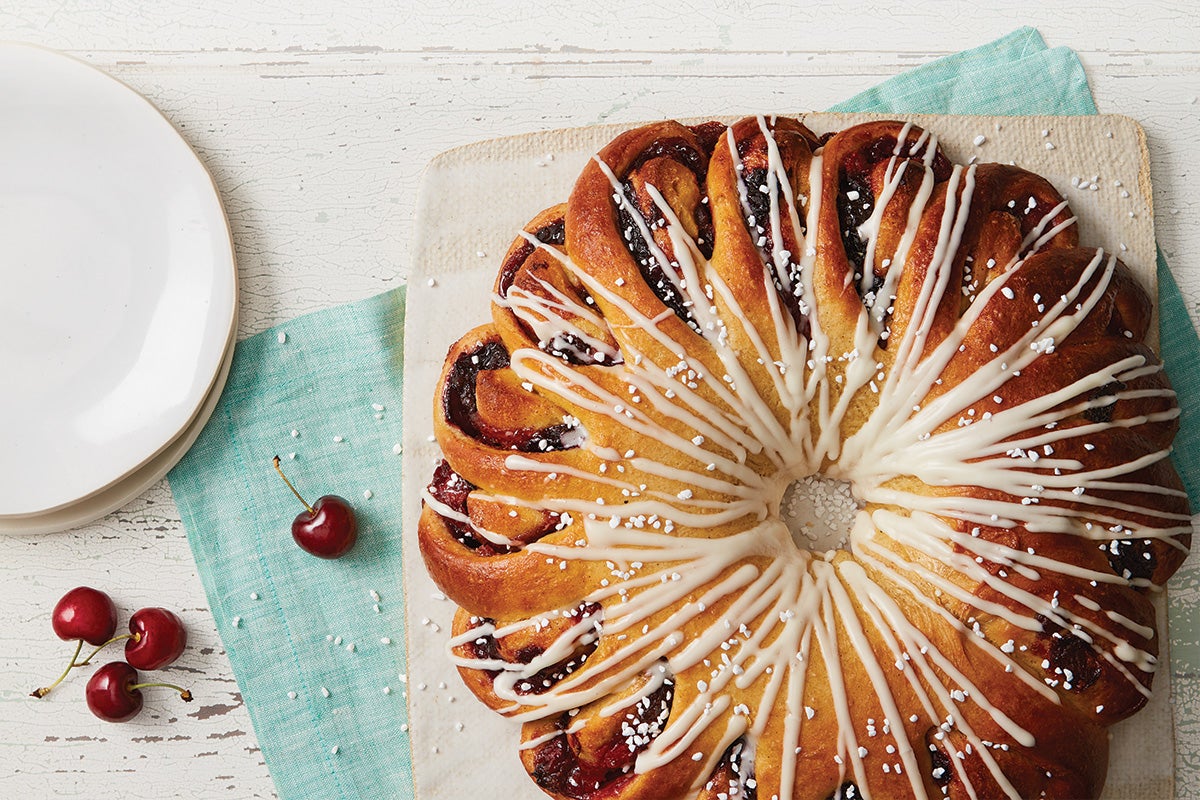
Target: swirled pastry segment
720	311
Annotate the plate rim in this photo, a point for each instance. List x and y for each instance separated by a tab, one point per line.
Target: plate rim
133	484
224	255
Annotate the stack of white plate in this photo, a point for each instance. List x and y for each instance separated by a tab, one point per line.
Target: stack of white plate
118	293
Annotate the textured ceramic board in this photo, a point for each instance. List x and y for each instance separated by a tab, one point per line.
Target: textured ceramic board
472	202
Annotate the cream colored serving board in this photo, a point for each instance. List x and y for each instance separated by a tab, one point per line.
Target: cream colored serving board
473	200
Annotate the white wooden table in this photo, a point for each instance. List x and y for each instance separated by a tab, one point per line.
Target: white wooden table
316	119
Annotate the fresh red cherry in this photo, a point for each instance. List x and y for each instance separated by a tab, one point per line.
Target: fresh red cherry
110	693
328	528
85	613
158	638
114	694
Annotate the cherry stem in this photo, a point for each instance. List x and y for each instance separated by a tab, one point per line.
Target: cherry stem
45	690
311	510
137	637
184	694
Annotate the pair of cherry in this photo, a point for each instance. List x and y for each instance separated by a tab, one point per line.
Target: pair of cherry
156	638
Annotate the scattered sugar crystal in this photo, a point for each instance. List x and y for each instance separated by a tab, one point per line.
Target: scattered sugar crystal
281	337
368	494
338	439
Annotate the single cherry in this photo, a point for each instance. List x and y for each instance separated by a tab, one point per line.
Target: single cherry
158	638
81	615
113	692
85	613
327	528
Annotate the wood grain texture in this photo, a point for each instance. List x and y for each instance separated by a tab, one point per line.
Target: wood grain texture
317	118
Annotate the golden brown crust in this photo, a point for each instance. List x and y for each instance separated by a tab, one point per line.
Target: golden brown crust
717	311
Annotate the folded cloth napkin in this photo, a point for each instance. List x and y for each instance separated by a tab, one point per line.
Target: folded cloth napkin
317	647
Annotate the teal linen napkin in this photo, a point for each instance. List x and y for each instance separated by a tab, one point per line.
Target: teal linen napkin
322	382
317	646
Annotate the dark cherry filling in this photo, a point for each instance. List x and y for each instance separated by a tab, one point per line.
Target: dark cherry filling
853	180
1131	558
676	149
486	647
709	133
559	769
1078	661
566	346
759	203
551	233
1103	413
941	767
1071	659
854	177
462	409
452	489
847	791
460	404
648	265
733	777
512	265
694	160
852	214
706	233
576	351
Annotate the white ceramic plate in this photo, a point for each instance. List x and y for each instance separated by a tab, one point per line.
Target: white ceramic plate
132	485
117	281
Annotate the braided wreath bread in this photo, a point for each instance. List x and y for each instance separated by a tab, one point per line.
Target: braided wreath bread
719	311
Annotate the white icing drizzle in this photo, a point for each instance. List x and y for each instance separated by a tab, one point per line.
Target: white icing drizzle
707	586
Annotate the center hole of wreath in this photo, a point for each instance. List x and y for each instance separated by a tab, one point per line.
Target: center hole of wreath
819	512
